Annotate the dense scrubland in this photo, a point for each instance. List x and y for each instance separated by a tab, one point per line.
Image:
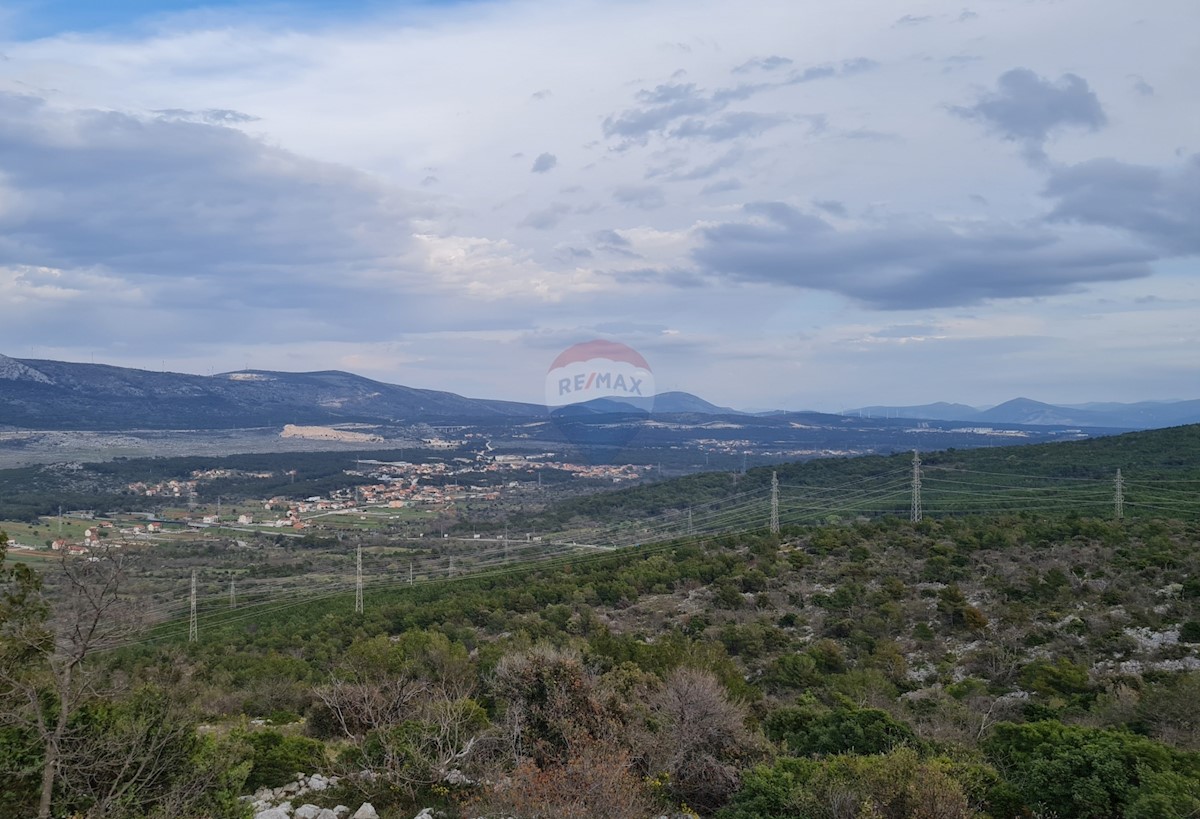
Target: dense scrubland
1005	665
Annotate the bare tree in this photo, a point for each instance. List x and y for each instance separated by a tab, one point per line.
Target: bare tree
702	741
413	725
48	639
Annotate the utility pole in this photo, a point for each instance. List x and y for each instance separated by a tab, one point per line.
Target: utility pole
60	520
915	512
774	503
358	597
1119	496
232	596
193	632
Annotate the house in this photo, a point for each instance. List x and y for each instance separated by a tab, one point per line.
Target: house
245	520
77	550
153	527
58	545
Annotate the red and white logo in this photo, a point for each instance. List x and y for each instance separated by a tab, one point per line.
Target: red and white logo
602	371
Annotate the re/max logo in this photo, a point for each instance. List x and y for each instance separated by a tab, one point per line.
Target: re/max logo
618	383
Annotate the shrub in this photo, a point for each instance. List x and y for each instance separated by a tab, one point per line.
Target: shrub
277	758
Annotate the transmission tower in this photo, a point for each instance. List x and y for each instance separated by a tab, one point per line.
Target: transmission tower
193	632
915	512
1119	496
358	601
410	572
690	529
232	596
774	503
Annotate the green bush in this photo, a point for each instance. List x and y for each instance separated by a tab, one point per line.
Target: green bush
277	758
809	728
1089	773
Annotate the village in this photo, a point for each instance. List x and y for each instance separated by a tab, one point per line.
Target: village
377	495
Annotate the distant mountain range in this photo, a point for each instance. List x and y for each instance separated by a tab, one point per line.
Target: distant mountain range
1141	415
38	394
41	394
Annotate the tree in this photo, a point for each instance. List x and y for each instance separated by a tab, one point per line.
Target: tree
1095	773
44	651
407	708
702	741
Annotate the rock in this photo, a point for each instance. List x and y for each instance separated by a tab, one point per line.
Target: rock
457	777
328	814
341	810
307	812
318	782
272	813
425	814
289	788
366	811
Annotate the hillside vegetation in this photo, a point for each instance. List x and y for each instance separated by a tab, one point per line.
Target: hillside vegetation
1041	663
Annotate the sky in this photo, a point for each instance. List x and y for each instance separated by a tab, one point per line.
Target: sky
780	204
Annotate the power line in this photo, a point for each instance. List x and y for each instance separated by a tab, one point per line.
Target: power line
914	514
193	631
774	503
358	582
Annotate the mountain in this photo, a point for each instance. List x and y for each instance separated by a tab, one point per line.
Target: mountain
676	402
1026	411
940	411
60	395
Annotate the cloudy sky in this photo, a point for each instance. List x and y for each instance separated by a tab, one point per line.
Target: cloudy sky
815	204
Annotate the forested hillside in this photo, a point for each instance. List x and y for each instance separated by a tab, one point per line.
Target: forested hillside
1161	469
1042	662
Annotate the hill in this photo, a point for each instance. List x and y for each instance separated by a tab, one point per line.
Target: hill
1139	415
1160	469
60	395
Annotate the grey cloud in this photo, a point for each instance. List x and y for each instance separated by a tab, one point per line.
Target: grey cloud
610	237
547	217
729	126
721	186
544	163
662	106
846	68
674	277
169	231
166	199
646	197
209	116
1026	108
909	265
906	331
541	95
684	110
1141	86
762	64
913	20
710	169
1161	206
831	206
614	243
